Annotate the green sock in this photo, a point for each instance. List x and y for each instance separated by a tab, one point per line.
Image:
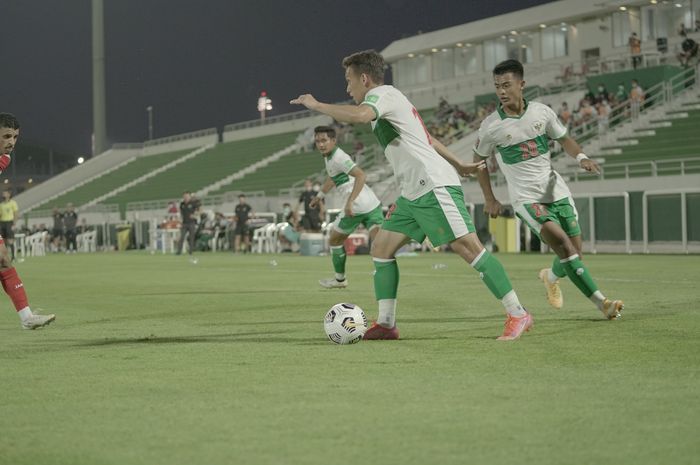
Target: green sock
338	256
386	279
579	275
558	268
494	276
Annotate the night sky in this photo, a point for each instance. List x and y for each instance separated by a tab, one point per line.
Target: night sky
199	63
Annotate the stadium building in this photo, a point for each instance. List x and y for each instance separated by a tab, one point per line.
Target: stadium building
646	200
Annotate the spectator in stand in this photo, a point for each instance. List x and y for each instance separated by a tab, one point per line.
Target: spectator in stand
588	114
682	31
57	230
697	25
635	49
621	94
689	50
189	211
565	114
70	225
603	109
243	214
636	98
602	93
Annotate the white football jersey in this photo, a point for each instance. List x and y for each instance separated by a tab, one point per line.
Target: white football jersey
406	142
521	145
338	166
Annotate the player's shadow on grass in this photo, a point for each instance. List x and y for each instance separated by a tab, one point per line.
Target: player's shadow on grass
268	337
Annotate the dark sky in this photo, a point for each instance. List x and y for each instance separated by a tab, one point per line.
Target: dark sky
199	63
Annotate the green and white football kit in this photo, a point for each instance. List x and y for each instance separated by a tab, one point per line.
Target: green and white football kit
366	207
367	210
431	202
537	192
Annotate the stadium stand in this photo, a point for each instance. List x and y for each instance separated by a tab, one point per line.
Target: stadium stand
209	167
112	180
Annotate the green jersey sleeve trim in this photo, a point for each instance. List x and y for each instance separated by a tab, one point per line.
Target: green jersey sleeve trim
373	107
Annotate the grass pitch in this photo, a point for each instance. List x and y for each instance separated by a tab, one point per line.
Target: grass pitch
153	360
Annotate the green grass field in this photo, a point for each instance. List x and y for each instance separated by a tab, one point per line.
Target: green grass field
153	360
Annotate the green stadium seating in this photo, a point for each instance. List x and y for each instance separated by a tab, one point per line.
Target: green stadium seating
681	140
114	179
205	169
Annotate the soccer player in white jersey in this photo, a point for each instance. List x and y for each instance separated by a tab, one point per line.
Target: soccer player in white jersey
518	133
361	205
431	202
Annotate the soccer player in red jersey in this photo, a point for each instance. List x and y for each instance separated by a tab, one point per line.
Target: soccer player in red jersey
9	132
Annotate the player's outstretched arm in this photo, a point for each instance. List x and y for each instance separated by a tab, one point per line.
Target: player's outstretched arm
573	149
492	206
464	169
343	113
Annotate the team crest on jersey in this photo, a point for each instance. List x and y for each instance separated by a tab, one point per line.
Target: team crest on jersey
538	126
509	138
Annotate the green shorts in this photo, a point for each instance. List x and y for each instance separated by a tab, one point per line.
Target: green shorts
562	212
441	214
347	224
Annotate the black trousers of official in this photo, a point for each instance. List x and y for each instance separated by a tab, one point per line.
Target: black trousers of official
189	229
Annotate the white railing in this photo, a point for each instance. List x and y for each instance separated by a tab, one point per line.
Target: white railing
179	137
591	217
684	214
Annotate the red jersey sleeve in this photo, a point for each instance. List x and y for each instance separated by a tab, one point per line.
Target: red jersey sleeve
4	162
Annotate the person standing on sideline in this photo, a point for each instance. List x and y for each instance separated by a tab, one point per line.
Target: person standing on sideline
11	284
9	212
243	213
311	221
189	211
70	223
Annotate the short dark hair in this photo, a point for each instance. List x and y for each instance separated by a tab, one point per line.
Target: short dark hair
369	62
325	130
8	120
509	66
241	196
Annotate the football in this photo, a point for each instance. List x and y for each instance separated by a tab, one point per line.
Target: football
345	324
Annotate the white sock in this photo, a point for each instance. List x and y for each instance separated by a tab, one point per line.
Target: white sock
340	276
512	305
387	313
551	277
597	298
25	314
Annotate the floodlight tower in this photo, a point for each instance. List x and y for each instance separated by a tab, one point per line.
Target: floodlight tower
99	112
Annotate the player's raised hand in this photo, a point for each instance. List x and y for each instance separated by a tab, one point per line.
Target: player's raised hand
469	169
493	208
307	100
590	165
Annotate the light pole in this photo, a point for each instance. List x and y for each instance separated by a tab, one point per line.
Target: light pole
149	110
264	105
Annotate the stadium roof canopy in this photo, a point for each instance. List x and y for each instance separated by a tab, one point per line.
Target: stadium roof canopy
521	20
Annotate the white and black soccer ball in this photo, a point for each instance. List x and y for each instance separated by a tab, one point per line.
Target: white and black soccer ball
345	324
